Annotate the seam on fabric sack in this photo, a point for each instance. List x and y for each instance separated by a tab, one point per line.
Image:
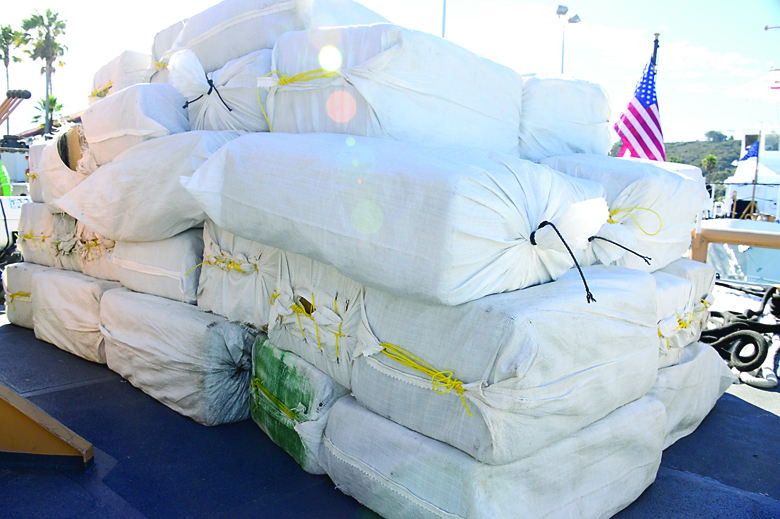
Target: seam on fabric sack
374	474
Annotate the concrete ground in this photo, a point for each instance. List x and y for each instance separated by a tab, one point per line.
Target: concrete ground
151	462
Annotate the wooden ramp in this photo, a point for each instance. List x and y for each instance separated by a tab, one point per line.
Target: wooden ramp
30	436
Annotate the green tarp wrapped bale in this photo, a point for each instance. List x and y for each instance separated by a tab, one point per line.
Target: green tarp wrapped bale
291	400
195	362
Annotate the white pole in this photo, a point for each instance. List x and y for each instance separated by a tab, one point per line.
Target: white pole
563	43
443	18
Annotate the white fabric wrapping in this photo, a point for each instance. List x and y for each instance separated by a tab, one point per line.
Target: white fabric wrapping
198	364
138	196
237	276
33	177
677	327
687	170
129	68
398	473
562	116
306	395
17	285
234	101
55	177
94	253
316	313
234	28
163	40
66	311
136	114
46	238
395	83
658	206
166	268
447	225
534	365
700	274
690	389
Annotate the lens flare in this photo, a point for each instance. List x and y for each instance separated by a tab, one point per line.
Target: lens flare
330	58
350	141
341	106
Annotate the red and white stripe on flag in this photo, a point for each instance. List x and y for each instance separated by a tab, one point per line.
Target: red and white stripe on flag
640	124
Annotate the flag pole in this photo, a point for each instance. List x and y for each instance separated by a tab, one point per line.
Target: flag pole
655	53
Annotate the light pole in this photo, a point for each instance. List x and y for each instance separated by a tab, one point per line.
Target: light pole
562	10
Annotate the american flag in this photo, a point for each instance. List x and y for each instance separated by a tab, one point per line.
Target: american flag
639	126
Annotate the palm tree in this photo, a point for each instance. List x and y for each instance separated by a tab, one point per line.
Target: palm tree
8	37
44	47
709	162
54	108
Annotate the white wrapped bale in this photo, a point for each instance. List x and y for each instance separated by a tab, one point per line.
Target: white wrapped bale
234	28
136	114
690	389
401	474
33	177
291	400
55	176
315	313
237	276
127	69
163	40
138	196
226	99
561	116
679	168
17	285
46	238
447	225
166	268
506	375
700	274
66	311
199	367
674	306
656	206
94	254
394	83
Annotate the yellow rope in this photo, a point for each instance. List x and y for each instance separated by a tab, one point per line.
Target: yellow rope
439	379
274	296
626	210
159	64
13	296
337	334
257	386
298	309
32	176
270	128
102	91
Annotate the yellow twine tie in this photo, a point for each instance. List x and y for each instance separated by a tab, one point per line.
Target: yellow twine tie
337	334
316	328
439	379
159	64
207	262
102	92
298	309
32	176
257	386
320	73
274	296
270	128
626	210
13	296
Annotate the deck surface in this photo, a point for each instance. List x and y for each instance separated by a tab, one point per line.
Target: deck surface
151	462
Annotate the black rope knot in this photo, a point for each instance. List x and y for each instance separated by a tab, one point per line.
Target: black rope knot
645	258
588	296
212	88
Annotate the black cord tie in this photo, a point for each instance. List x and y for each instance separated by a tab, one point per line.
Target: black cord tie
645	258
588	296
211	88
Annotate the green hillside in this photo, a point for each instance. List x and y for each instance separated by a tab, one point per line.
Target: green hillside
693	152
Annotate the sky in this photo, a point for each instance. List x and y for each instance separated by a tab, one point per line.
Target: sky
714	60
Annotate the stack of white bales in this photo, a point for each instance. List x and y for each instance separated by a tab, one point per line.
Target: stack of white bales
401	250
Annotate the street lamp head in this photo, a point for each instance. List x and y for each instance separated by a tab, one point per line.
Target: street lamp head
562	9
575	19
